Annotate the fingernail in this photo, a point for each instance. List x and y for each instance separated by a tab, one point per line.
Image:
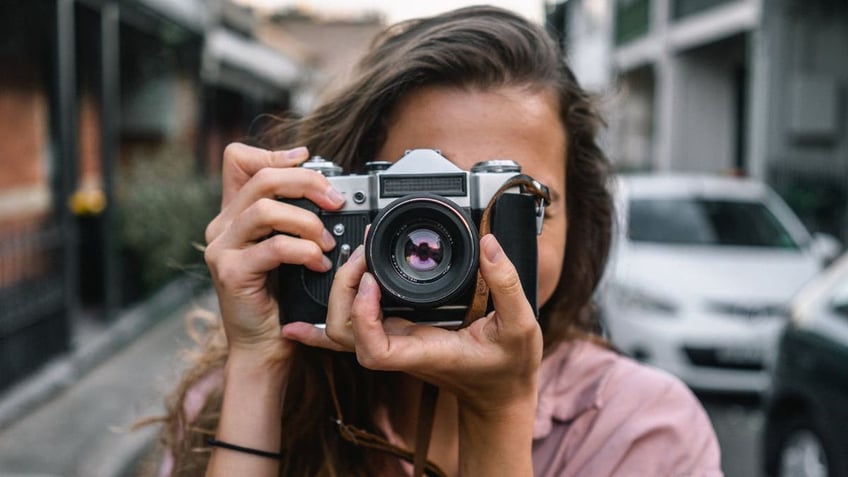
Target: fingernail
491	248
366	284
335	196
327	238
296	153
327	264
357	252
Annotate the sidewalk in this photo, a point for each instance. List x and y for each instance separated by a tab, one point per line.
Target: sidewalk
81	429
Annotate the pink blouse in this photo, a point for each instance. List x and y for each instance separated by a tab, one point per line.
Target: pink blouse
601	413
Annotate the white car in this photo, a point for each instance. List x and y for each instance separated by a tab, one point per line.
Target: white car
701	274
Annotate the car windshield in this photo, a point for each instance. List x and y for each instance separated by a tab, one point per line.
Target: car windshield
694	221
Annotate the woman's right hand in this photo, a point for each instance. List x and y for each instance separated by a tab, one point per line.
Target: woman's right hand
241	251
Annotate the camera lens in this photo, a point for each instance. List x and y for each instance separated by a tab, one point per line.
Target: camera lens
423	251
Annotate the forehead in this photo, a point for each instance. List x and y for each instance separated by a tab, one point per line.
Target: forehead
473	125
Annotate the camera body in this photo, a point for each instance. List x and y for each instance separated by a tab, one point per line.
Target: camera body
422	245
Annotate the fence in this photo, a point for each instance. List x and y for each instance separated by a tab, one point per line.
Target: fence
33	321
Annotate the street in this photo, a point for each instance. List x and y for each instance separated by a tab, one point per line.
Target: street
738	422
85	431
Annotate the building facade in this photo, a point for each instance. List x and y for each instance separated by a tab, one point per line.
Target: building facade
747	87
90	89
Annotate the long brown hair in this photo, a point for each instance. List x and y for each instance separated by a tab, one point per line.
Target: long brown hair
475	47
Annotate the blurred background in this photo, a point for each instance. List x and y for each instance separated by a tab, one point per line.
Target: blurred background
113	119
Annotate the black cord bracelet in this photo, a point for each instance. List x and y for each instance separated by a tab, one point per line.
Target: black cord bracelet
247	450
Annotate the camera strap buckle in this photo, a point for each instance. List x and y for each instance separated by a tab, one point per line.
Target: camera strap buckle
543	199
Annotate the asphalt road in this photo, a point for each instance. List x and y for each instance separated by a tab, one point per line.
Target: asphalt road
738	421
85	431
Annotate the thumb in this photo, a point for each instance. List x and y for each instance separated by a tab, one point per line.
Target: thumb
500	275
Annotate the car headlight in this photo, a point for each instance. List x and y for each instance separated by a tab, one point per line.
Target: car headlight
633	297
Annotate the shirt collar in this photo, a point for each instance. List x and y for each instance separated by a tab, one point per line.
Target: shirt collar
570	383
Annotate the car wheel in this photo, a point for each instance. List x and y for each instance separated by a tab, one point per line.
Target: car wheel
802	454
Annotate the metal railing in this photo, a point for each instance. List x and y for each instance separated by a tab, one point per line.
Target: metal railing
33	325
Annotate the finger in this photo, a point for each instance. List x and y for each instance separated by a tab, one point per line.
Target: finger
241	162
279	249
513	311
394	326
310	335
268	215
292	183
270	183
373	348
342	294
235	269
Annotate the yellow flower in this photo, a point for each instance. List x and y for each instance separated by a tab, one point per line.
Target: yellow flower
87	201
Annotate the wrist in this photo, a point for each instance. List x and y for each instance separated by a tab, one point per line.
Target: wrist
273	354
517	399
519	409
256	361
253	399
497	440
251	414
255	369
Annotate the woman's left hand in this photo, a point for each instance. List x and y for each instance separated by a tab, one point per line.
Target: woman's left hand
490	365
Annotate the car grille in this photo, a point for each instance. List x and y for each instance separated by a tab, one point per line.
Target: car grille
750	312
749	360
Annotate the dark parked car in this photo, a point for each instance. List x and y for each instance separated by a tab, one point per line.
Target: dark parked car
806	429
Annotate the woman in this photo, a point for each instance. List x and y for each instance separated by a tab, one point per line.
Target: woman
517	396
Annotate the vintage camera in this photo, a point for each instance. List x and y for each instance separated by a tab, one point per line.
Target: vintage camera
422	245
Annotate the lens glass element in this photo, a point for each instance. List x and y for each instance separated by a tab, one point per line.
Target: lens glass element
422	251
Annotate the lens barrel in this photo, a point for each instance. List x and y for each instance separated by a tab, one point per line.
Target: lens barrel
423	251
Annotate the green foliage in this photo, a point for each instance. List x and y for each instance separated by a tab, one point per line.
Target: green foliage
165	205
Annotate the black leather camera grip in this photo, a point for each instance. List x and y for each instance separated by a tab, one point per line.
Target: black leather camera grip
303	294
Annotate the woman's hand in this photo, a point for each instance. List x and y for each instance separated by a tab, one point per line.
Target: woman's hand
241	249
240	253
490	366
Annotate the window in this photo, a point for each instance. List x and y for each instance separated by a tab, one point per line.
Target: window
706	222
684	8
632	19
